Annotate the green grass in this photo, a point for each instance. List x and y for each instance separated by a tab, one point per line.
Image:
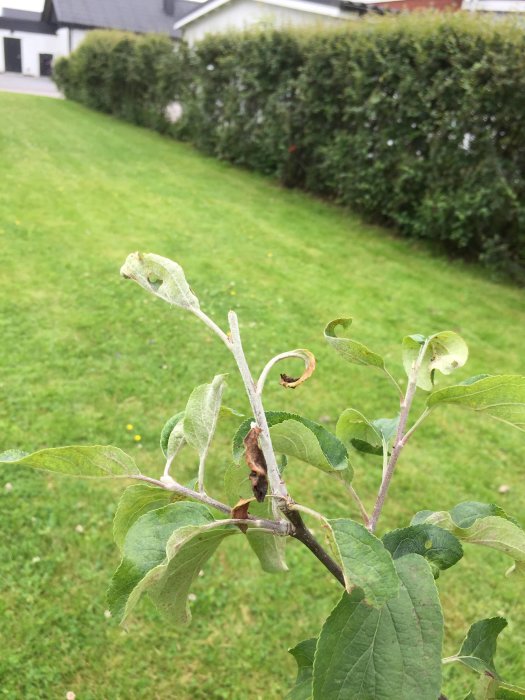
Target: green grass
84	353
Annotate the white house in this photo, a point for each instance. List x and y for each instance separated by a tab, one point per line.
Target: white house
193	20
29	41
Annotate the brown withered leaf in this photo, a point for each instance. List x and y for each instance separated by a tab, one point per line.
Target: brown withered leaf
309	361
257	464
240	510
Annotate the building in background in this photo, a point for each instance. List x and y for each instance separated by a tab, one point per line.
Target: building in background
29	41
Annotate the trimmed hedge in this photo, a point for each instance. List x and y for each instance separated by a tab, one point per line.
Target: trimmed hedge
133	77
416	121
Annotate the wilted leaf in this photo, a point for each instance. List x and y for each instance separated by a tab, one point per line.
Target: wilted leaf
299	437
161	277
86	461
351	350
446	351
303	654
240	511
390	653
502	397
441	548
309	361
365	561
256	463
269	549
479	646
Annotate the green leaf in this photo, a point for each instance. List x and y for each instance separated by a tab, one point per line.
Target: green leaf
188	550
301	438
505	691
387	654
492	531
465	514
201	414
86	461
351	350
441	548
479	646
303	654
167	431
144	550
134	502
161	277
445	352
491	689
371	437
269	549
502	397
365	561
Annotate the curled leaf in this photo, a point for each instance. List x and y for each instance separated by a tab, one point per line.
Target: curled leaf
309	362
351	350
161	277
445	351
255	460
240	510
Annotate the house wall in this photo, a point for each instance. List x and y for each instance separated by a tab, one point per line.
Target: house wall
33	44
241	14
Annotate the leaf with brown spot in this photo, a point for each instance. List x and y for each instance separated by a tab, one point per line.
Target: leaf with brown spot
309	361
240	510
257	463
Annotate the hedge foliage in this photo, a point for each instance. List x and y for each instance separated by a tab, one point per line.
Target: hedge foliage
133	77
414	120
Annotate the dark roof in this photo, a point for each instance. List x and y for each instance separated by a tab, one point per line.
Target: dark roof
139	16
24	21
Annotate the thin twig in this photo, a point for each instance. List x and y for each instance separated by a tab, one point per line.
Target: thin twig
406	404
277	485
214	327
303	534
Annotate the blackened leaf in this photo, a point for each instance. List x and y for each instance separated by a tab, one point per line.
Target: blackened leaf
256	463
269	549
309	361
299	437
240	510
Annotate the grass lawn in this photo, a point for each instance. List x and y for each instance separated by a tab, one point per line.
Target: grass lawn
84	353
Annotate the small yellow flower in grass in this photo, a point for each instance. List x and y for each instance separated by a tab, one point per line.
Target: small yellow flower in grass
79	529
137	438
107	614
8	487
129	426
233	292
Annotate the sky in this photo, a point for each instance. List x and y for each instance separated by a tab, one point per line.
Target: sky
35	5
